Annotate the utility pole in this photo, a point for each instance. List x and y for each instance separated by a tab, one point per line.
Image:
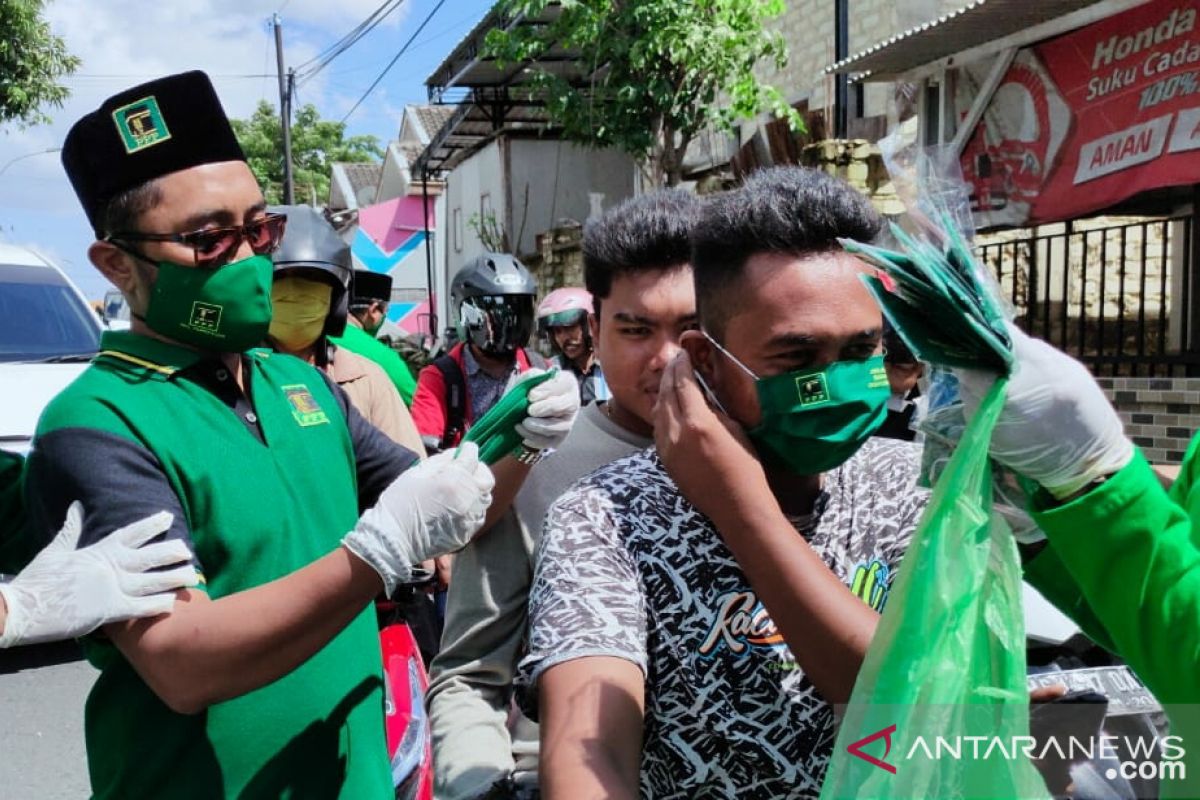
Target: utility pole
285	112
841	47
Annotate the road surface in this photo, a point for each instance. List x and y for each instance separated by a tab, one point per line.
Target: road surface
42	691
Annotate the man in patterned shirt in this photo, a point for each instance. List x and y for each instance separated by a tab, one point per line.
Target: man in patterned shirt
699	608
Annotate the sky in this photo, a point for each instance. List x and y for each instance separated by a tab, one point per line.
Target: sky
125	42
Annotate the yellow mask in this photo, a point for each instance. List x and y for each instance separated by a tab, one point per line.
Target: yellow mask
300	308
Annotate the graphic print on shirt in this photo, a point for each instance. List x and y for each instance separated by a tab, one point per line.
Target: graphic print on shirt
629	569
871	582
741	621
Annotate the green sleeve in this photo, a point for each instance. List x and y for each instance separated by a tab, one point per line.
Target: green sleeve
1047	573
1183	484
1130	551
401	376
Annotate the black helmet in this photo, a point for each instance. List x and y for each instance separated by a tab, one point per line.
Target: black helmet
494	294
311	243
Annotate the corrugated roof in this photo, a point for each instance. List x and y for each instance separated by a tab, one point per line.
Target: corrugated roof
974	24
487	98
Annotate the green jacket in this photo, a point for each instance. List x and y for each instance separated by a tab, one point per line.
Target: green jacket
356	340
1123	560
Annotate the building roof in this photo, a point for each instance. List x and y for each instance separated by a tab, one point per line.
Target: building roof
362	175
354	184
488	98
432	118
972	25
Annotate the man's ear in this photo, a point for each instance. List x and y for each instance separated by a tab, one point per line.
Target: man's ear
700	351
114	264
593	323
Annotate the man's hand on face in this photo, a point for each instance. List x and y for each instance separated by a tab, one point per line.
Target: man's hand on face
706	453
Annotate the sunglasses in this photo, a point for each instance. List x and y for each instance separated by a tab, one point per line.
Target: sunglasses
216	247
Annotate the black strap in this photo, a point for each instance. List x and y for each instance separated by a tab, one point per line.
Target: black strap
456	398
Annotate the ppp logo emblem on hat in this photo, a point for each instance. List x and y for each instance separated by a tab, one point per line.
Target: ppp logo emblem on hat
141	124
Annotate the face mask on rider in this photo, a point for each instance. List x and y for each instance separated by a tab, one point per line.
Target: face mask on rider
224	310
814	420
301	307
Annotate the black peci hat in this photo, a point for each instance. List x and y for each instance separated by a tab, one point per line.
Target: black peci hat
370	286
143	133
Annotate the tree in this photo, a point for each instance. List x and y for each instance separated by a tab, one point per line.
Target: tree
316	145
655	73
32	60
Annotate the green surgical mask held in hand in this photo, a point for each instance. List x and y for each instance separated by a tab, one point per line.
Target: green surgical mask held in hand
225	310
495	432
814	420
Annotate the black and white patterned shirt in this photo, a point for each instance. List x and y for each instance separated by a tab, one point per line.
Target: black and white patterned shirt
628	568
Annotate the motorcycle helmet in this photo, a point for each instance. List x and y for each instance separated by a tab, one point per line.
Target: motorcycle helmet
312	244
563	308
494	296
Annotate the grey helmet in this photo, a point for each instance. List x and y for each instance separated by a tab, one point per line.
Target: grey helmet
494	295
311	243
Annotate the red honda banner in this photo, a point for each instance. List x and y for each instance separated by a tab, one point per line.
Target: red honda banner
1090	118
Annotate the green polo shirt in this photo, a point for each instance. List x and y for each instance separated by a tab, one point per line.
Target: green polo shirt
260	486
356	340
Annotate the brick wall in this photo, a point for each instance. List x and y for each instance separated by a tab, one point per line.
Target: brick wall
807	26
1160	414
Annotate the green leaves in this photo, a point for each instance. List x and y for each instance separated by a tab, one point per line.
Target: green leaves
32	60
652	74
316	145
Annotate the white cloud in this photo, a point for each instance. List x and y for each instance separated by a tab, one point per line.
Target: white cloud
124	42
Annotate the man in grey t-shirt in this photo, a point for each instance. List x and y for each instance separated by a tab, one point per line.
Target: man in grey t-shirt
636	267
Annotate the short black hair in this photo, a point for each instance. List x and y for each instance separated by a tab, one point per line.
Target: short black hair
792	210
649	233
120	214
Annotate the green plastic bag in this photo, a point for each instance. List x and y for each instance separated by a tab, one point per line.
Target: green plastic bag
494	431
948	658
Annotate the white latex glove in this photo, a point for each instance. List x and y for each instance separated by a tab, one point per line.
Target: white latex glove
433	508
1057	427
66	592
552	409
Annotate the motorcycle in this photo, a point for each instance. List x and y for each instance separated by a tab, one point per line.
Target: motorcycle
404	617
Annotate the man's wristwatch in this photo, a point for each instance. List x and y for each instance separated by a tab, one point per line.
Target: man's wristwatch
528	455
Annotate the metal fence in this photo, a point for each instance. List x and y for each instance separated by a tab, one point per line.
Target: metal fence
1119	298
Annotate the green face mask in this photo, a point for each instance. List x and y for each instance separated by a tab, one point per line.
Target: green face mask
815	420
226	309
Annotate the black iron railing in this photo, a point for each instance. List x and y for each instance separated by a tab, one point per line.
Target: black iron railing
1119	298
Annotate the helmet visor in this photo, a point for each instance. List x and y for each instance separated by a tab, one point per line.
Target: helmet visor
499	324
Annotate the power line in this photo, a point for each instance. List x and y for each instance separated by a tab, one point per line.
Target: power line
395	58
433	37
310	68
97	76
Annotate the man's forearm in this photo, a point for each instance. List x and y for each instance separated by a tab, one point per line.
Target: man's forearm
510	474
591	734
827	628
207	651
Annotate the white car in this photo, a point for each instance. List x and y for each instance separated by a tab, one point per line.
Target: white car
48	333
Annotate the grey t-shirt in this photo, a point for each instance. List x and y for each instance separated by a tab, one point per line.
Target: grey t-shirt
475	740
628	568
